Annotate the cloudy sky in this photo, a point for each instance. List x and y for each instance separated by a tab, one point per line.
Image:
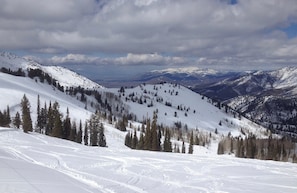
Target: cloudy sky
122	36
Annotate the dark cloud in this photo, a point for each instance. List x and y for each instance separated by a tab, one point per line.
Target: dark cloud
241	30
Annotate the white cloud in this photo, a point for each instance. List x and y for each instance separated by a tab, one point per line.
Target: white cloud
248	30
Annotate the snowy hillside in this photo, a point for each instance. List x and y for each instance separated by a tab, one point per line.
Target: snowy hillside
286	79
177	104
13	88
64	76
36	163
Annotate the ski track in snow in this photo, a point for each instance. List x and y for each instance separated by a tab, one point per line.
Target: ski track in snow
115	169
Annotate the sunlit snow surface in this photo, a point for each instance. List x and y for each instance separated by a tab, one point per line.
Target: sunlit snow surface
37	163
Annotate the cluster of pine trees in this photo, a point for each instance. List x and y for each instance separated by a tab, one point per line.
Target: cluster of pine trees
265	149
5	118
151	136
50	121
18	72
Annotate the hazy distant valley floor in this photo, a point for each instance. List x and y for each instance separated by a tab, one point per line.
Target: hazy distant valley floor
37	163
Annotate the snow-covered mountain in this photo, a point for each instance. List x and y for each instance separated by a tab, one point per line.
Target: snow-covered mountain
64	76
267	97
38	163
178	105
13	88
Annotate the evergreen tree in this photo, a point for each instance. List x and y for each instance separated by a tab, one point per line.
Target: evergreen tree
57	126
148	136
134	140
94	124
191	143
26	116
128	140
183	147
43	118
167	143
67	127
140	144
79	133
50	120
122	124
73	132
102	139
17	120
39	118
154	134
86	134
8	119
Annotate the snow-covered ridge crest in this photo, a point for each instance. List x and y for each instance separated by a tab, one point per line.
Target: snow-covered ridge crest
64	76
187	70
286	77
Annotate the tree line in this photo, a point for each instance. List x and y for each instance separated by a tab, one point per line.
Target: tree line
278	149
50	121
153	137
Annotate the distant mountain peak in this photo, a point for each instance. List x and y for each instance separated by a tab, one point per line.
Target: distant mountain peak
187	70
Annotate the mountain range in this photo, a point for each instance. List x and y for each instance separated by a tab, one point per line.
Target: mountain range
34	162
267	97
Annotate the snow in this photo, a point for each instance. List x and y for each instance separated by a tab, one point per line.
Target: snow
188	70
70	78
66	77
201	114
286	78
42	164
13	89
38	163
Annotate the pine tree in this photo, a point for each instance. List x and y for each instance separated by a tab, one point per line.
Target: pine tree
95	127
183	147
154	134
39	118
67	126
17	120
57	126
8	119
140	144
86	134
102	139
128	139
43	118
50	120
122	124
73	132
134	140
79	133
167	143
148	136
26	117
191	143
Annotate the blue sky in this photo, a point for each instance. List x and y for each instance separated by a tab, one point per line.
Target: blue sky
291	30
140	35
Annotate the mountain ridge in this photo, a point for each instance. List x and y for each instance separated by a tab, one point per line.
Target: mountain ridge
64	76
253	93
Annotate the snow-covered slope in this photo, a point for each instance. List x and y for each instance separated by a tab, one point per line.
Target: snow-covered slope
178	104
36	163
64	76
13	88
286	78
